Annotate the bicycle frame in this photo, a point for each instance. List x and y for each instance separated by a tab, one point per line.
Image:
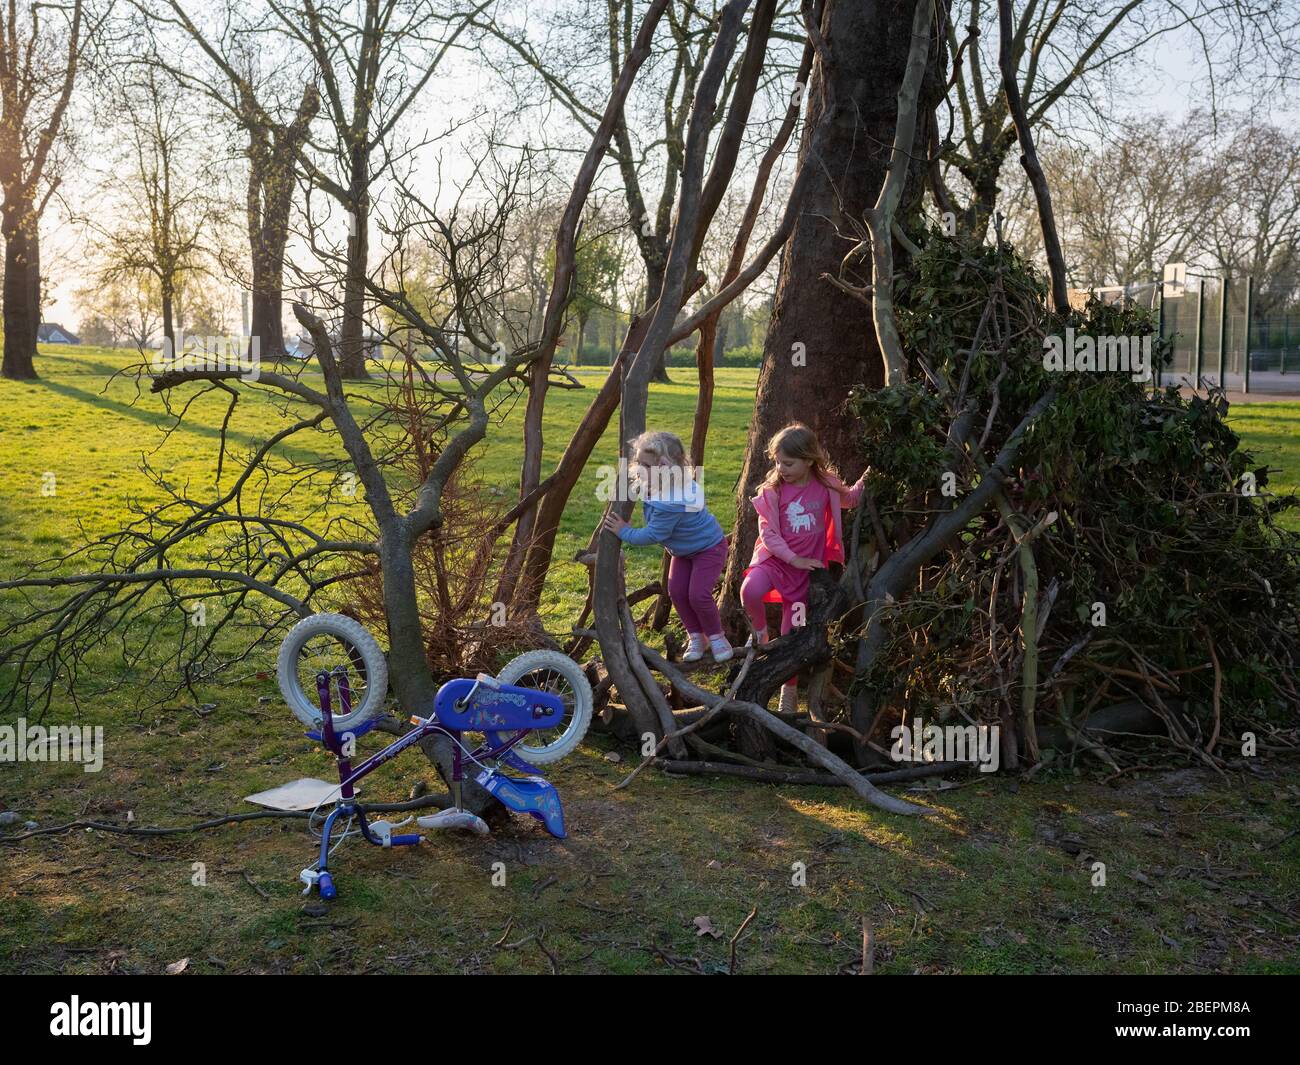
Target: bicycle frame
531	795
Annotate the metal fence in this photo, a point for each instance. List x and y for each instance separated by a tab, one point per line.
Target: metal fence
1222	335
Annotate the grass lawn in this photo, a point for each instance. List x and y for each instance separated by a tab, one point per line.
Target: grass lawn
1272	430
1199	873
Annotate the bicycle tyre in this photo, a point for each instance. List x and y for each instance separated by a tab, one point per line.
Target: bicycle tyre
352	634
566	667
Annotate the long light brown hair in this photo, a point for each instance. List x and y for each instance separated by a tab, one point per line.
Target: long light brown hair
799	442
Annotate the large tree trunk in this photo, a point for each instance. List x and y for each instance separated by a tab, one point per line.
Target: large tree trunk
21	293
820	341
267	242
270	197
981	172
266	322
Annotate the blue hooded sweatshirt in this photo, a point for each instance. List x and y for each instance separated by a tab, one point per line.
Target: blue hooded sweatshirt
679	521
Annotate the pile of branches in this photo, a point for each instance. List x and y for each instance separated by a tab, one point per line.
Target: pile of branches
1062	555
1135	577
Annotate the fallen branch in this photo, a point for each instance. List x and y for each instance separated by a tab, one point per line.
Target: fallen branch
709	714
441	801
803	776
811	748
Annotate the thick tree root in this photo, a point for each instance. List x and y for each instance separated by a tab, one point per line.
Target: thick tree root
760	716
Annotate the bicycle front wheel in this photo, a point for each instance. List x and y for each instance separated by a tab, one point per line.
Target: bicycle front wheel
331	642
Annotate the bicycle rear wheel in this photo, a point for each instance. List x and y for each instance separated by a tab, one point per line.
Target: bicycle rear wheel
558	674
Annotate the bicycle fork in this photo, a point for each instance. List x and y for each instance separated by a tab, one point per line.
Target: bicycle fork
381	832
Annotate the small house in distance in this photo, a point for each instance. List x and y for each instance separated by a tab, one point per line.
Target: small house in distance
53	333
301	346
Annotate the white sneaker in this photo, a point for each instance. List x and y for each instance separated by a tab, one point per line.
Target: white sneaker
721	648
695	649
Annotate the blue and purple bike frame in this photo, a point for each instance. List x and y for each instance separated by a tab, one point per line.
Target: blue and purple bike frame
347	805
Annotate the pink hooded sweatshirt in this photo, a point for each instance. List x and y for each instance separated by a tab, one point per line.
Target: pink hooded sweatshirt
770	542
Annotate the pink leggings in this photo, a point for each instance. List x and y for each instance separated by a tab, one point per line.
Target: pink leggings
690	586
758	582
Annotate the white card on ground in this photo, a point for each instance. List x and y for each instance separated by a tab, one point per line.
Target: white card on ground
306	793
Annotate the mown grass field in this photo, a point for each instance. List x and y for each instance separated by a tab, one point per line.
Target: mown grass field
1201	874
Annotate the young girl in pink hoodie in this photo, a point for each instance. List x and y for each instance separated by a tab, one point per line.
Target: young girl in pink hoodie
799	530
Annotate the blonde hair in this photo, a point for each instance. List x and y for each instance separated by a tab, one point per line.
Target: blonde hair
662	445
799	442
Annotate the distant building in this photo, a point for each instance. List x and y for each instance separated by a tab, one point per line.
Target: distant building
53	333
301	346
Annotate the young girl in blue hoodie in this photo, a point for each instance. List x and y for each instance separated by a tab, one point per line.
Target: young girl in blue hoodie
677	519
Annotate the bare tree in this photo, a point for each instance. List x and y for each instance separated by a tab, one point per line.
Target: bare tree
261	107
1224	196
648	146
1121	218
127	308
371	72
38	66
1066	55
156	213
1255	230
365	73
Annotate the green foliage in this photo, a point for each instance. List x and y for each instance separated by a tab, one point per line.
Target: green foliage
598	266
1163	516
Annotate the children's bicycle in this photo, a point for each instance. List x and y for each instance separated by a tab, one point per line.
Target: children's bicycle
334	677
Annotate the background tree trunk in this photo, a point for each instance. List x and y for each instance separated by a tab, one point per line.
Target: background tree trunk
271	177
21	304
169	314
353	340
265	320
820	341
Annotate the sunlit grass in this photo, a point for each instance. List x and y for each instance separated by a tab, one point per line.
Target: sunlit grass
980	887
